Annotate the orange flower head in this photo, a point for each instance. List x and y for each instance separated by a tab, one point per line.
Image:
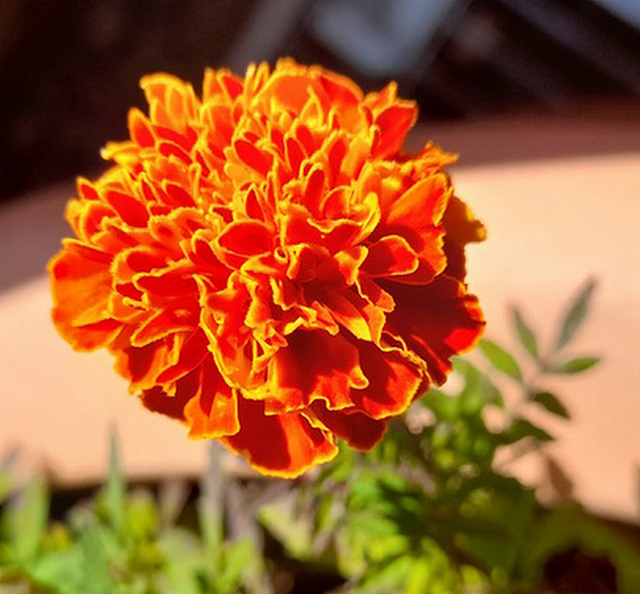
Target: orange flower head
267	265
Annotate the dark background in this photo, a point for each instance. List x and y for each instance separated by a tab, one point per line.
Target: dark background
69	69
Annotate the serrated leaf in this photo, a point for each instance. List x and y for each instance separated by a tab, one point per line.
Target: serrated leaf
521	428
575	315
575	365
500	359
551	403
525	335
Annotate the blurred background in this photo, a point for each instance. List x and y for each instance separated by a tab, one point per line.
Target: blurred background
70	69
540	97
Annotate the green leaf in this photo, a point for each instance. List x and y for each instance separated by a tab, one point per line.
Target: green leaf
575	365
551	403
7	478
115	490
389	575
500	359
95	544
61	571
142	516
29	520
323	519
493	536
525	335
568	527
184	557
238	557
478	390
292	530
575	315
521	428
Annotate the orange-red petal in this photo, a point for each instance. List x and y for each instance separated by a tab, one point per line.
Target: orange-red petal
313	366
81	285
436	321
284	445
213	411
267	265
357	429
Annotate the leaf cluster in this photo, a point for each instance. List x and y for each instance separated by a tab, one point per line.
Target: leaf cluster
434	508
122	542
431	509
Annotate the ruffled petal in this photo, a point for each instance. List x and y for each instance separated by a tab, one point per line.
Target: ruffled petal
357	429
390	256
394	382
436	321
462	228
394	123
417	215
143	365
81	285
213	410
314	365
284	445
267	265
201	400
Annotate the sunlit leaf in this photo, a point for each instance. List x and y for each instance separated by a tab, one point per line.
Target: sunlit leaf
575	315
387	576
525	335
61	571
237	560
551	403
142	515
95	544
29	520
575	365
500	359
292	530
323	517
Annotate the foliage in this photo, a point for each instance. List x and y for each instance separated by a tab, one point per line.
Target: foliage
124	543
433	508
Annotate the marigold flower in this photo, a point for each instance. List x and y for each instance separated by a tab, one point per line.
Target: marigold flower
267	265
